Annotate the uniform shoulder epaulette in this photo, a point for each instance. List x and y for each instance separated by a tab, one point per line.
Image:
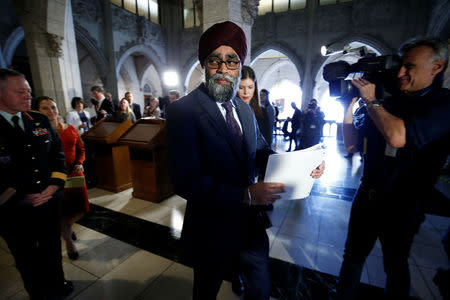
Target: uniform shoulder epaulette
36	111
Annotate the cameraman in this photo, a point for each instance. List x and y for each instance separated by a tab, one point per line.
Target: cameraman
405	140
312	125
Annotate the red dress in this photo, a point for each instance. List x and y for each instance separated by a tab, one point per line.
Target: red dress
75	198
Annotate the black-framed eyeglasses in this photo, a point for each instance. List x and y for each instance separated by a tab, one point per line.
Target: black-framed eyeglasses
215	63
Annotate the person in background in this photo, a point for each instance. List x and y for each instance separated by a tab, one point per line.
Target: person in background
136	108
102	108
267	121
174	95
152	110
32	172
125	112
115	102
248	92
76	202
312	125
78	118
296	125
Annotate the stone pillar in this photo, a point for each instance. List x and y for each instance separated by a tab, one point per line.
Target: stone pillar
172	22
241	12
108	33
51	47
307	83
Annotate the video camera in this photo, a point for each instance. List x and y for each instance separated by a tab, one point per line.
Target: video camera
380	70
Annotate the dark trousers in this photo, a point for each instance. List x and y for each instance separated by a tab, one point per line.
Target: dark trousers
369	220
252	263
33	236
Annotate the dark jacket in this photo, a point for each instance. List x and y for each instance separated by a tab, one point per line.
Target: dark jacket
211	172
30	160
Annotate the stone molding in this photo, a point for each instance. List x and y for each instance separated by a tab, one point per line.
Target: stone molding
90	10
54	44
249	11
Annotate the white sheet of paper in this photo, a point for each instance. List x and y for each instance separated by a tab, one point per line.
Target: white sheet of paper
294	170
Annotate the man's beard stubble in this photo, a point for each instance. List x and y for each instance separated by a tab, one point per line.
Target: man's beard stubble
219	92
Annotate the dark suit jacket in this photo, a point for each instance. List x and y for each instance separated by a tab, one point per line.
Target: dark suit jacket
136	110
108	107
212	173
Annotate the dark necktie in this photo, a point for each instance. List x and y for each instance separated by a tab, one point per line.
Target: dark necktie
15	120
232	123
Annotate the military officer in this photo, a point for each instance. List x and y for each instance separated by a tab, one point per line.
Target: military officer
32	174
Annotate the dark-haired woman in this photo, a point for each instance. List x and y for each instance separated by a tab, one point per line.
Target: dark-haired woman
78	118
75	202
248	92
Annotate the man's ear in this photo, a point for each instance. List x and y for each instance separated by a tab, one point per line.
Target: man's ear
438	66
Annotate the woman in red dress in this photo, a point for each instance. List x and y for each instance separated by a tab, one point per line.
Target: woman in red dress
75	202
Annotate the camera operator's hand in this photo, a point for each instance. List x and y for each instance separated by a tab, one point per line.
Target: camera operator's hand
366	89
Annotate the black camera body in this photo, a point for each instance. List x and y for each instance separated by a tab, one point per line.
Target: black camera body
380	70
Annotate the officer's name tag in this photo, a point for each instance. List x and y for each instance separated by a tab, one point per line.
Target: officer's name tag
40	131
390	151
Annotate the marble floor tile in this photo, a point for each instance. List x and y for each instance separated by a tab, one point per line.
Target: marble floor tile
439	222
6	259
419	285
428	235
176	275
3	245
174	219
21	295
429	256
302	227
128	279
10	282
152	213
174	201
375	271
272	232
295	250
104	257
80	278
328	259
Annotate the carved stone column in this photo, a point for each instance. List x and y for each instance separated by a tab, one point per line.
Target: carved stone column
241	12
51	47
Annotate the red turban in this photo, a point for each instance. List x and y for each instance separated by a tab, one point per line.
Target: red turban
222	34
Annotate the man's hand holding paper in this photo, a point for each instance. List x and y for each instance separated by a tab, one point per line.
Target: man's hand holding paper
297	170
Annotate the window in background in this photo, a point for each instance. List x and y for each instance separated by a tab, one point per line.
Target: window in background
148	9
328	2
117	2
298	4
130	5
277	6
143	8
190	16
280	5
154	11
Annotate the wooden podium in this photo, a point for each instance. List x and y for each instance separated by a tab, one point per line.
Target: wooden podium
149	162
112	160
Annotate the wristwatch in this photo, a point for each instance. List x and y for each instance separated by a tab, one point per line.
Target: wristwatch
374	103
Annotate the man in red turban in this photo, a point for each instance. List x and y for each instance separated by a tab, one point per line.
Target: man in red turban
215	150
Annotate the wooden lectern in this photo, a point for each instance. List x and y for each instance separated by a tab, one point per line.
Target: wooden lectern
112	160
149	162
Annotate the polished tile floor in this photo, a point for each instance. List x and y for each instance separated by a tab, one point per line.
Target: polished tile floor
128	247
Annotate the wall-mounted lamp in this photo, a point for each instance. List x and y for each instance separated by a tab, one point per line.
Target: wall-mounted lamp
170	78
332	49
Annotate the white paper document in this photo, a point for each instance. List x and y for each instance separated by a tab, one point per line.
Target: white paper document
294	170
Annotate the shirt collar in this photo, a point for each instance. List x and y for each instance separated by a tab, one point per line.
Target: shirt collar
9	116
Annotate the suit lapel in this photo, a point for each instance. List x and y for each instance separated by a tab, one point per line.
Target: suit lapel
216	117
248	126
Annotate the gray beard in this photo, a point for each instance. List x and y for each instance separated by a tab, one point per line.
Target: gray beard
219	92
